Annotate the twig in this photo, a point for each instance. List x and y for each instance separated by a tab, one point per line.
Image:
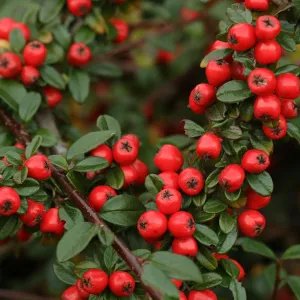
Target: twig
16	295
19	132
277	279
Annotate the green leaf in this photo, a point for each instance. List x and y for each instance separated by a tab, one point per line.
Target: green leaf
50	10
215	55
122	210
64	272
230	268
59	161
288	69
20	176
234	91
16	40
33	146
49	139
154	184
78	180
233	196
210	280
246	110
155	278
106	122
71	215
84	266
4	150
109	70
8	226
40	196
55	54
88	142
292	253
192	129
84	35
261	142
114	177
176	266
253	246
75	240
206	235
13	158
203	217
261	183
233	132
28	188
214	206
178	140
293	131
206	259
29	106
226	222
212	179
226	241
62	35
238	291
287	42
79	85
294	284
92	163
52	77
239	16
105	236
216	112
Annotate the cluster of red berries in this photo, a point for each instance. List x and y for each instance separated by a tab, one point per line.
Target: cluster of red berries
95	281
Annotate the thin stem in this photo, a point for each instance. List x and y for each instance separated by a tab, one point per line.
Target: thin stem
277	279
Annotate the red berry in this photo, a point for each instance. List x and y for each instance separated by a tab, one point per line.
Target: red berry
29	75
256	201
182	224
277	132
218	72
187	246
79	7
130	175
53	96
82	293
39	167
168	201
51	222
71	293
259	5
267	28
231	178
94	281
20	146
169	158
241	269
191	181
238	71
182	296
79	54
170	180
288	86
23	28
188	15
251	222
255	161
125	151
9	201
6	25
262	81
289	108
10	65
165	57
23	235
217	45
241	37
209	146
203	95
122	30
178	283
142	171
267	108
34	214
133	138
34	54
218	256
100	195
103	151
152	224
202	295
267	52
121	284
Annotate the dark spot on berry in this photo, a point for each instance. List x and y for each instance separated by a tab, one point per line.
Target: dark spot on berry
83	9
190	223
46	165
109	195
221	62
143	224
268	22
4	63
276	130
265	118
126	146
197	97
258	229
167	194
127	288
261	159
38	219
225	185
259	80
81	50
206	156
35	45
232	39
7	206
192	183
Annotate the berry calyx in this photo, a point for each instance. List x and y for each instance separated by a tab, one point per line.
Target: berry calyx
94	281
169	158
168	201
232	177
121	284
191	181
182	224
99	196
39	167
125	151
34	214
251	223
255	161
79	54
10	201
34	54
82	293
209	146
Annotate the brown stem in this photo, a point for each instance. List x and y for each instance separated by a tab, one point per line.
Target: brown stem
20	133
16	295
277	279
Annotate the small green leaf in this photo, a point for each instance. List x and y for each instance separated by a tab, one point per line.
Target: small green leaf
233	132
154	184
294	284
202	217
212	179
62	36
8	225
92	163
52	77
206	259
105	236
79	85
210	280
64	272
50	10
259	141
20	176
291	253
178	140
214	206
287	69
230	268
246	110
239	16
33	146
108	70
215	55
84	35
110	258
13	158
16	40
226	222
4	150
28	187
233	196
293	131
59	161
216	112
78	180
49	139
261	183
106	122
226	241
238	291
71	215
234	91
114	177
287	42
206	235
24	206
29	106
192	129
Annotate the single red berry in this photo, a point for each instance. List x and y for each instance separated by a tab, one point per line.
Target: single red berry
71	293
241	37
9	201
103	151
152	224
191	181
122	30
34	54
79	7
203	95
182	296
209	146
187	246
251	222
258	5
289	108
255	161
121	284
53	96
94	281
125	151
267	28
188	15
197	109
142	171
39	167
10	65
82	293
23	28
232	177
202	295
168	201
130	175
182	224
100	195
267	52
218	72
169	158
29	75
238	71
23	235
165	57
6	25
256	201
79	54
133	138
288	86
277	132
34	214
170	180
241	269
51	222
218	45
20	146
267	108
261	81
178	283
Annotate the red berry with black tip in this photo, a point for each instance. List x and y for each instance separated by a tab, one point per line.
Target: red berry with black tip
82	293
267	108
262	81
79	54
34	214
251	223
278	131
287	86
99	196
121	284
267	52
29	75
238	71
79	8
267	28
23	28
202	295
53	96
168	201
203	94
133	138
241	37
232	178
6	25
218	72
170	180
39	167
9	201
10	65
103	151
289	108
94	281
23	235
191	181
256	201
209	146
257	5
52	223
182	224
71	293
34	54
122	30
255	161
168	159
187	246
130	175
142	171
125	151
